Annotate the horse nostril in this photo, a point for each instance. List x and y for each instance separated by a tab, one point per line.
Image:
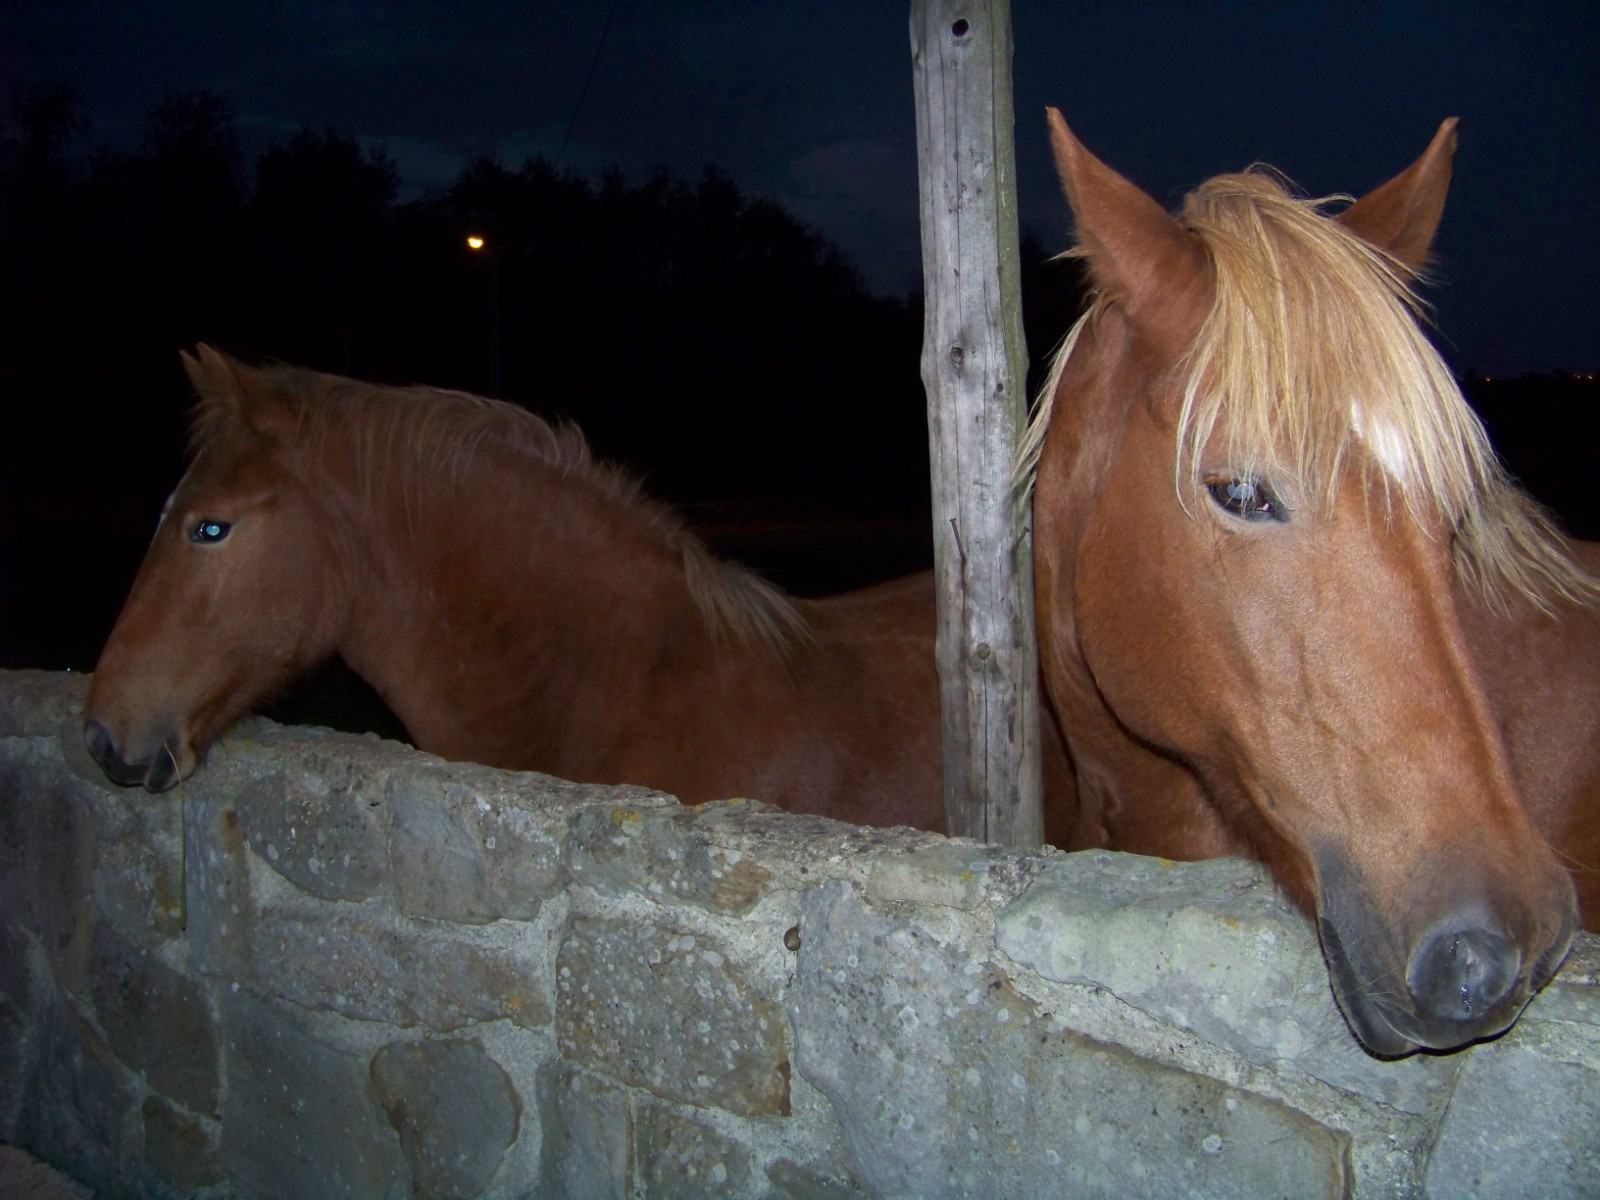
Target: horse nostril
1462	974
99	741
163	773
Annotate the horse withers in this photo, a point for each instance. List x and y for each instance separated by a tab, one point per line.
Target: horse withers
1258	494
514	602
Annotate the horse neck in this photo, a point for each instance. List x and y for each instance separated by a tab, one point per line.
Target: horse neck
523	590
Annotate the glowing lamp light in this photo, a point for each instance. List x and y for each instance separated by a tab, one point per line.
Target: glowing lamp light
475	242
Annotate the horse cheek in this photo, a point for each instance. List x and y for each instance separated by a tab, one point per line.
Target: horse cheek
1134	618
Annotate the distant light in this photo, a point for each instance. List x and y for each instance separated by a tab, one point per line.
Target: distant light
475	242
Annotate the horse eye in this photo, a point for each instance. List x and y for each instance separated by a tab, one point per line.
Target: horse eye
1246	498
207	531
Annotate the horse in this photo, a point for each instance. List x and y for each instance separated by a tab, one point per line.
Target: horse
513	600
1269	537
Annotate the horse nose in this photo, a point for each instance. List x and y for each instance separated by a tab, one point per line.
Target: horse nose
102	744
1460	974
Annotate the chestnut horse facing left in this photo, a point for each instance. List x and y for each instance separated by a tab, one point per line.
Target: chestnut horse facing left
1283	585
514	602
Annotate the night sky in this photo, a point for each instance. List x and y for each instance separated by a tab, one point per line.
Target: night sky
810	104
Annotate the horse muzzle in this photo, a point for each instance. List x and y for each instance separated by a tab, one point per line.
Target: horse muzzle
1467	978
155	772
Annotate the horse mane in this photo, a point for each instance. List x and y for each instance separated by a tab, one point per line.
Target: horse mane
437	432
1313	357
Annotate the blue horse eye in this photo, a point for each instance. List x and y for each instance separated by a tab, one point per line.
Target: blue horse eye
209	531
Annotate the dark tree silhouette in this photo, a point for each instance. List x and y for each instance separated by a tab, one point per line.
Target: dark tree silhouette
320	228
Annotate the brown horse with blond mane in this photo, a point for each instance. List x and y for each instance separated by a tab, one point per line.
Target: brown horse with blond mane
1269	535
514	602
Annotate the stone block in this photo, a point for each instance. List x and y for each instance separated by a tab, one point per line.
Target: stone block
1574	994
23	1177
16	981
318	821
15	1063
77	1099
38	703
455	1110
299	1118
956	874
218	907
137	884
1213	948
667	854
1524	1119
672	1013
586	1126
342	961
948	1082
180	1148
48	843
47	708
795	1182
681	1158
157	1022
471	850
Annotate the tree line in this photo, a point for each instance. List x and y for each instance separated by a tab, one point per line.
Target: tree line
664	313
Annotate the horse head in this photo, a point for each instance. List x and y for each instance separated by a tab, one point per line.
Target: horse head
239	590
1256	486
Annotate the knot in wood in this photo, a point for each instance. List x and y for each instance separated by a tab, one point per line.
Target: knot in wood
958	356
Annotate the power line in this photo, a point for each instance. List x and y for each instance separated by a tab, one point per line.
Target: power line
587	80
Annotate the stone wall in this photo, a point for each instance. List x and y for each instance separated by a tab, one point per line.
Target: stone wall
331	967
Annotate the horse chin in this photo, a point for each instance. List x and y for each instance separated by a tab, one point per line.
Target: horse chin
1372	1025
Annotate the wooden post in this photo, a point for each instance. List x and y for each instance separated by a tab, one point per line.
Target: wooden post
974	366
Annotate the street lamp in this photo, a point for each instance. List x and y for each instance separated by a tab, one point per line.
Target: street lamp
479	245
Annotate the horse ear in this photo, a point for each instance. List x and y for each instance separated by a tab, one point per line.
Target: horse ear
1402	215
224	382
214	374
1135	250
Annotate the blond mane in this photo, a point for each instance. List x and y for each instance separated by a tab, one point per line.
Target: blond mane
433	432
1312	360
